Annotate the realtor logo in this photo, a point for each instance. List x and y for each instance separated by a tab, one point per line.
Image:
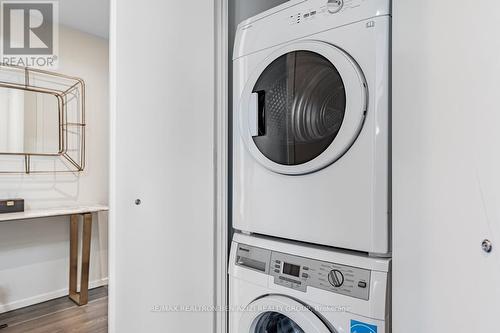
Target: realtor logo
30	33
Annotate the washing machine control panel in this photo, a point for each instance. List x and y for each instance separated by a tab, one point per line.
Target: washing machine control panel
299	273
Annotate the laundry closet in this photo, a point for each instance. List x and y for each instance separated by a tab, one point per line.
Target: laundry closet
439	213
311	168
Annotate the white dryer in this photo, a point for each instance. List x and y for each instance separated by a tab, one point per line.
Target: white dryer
282	287
311	123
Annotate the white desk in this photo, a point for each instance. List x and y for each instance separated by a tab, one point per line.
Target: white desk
51	212
75	212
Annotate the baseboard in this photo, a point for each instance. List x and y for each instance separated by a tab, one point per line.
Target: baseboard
46	297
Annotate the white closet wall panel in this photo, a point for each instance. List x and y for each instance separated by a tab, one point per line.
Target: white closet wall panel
446	161
163	154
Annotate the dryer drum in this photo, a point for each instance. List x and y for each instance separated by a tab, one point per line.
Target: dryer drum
318	108
304	107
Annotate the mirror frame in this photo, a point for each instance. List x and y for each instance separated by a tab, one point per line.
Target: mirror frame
63	87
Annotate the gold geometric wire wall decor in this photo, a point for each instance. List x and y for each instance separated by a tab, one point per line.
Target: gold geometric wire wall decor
42	121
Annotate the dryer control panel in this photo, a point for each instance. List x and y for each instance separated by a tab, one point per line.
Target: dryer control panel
324	10
299	273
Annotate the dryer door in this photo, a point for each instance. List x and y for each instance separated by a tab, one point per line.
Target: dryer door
303	107
280	314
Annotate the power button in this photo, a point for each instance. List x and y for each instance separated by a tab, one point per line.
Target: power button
334	6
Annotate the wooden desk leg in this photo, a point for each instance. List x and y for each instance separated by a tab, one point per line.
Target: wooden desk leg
86	238
73	258
80	298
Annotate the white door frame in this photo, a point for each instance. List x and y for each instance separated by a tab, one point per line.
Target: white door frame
221	167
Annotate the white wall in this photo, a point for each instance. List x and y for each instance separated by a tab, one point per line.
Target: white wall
446	117
163	89
34	254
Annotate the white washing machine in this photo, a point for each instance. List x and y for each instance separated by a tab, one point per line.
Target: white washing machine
282	287
311	123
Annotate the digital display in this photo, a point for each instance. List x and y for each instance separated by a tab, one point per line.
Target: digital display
289	269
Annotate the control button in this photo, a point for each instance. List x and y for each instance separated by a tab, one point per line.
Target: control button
276	271
336	278
277	266
362	284
305	268
277	261
334	6
305	275
289	280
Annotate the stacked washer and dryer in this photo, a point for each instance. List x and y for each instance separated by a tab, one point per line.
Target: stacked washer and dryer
311	169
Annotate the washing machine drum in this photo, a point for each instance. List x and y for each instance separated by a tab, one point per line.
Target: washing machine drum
303	107
280	314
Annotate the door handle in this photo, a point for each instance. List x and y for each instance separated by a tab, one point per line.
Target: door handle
257	114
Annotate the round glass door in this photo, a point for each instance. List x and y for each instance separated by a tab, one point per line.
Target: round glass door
303	107
280	314
274	322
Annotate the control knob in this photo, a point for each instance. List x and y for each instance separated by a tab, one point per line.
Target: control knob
334	6
336	278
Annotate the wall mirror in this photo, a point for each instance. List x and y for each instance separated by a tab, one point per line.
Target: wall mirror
31	123
42	121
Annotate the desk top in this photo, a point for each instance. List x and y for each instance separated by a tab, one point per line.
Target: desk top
49	212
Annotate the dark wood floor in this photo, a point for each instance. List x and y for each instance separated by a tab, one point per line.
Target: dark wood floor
60	316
